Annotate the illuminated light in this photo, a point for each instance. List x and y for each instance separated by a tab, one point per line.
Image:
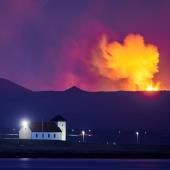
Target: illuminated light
137	137
114	143
83	134
25	123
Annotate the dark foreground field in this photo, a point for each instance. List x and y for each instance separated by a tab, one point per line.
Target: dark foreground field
55	149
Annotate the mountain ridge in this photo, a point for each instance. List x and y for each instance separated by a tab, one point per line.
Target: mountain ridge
11	87
106	110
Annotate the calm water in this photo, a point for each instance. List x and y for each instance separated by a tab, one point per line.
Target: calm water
83	164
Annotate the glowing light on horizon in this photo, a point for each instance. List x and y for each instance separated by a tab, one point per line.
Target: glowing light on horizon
132	64
151	88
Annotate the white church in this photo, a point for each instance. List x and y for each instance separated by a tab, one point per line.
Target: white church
52	130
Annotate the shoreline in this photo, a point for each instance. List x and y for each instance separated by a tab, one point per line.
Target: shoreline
15	148
86	155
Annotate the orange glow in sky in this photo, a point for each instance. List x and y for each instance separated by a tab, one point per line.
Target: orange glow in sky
133	63
152	88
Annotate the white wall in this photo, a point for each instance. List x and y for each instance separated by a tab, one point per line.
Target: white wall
25	133
44	135
62	126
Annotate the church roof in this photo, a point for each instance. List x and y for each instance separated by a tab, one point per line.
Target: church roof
44	127
58	118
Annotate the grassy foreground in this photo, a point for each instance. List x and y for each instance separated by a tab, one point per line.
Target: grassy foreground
10	148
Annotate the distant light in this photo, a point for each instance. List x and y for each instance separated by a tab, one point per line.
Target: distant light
25	123
137	137
89	130
114	143
137	133
83	132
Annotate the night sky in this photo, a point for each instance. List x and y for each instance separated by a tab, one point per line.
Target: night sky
46	44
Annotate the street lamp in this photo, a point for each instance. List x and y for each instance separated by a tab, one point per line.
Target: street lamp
83	134
25	123
137	137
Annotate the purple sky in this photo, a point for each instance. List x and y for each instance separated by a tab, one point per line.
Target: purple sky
45	44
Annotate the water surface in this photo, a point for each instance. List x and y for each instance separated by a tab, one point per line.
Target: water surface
83	164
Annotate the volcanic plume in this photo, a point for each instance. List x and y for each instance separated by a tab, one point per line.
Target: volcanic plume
133	63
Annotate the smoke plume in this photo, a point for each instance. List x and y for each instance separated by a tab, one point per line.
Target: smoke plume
131	64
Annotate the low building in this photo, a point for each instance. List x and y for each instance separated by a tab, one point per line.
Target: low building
52	130
45	131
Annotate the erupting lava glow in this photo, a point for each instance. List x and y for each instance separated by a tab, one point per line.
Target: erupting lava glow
152	88
133	63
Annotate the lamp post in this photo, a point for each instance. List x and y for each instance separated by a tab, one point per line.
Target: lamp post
25	123
137	137
83	134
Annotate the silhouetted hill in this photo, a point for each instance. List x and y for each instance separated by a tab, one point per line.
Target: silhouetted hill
74	89
7	86
86	110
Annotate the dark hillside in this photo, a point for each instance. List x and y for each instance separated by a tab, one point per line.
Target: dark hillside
85	109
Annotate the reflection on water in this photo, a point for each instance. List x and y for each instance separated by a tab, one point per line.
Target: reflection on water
83	164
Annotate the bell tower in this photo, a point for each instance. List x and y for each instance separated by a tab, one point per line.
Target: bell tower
61	123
